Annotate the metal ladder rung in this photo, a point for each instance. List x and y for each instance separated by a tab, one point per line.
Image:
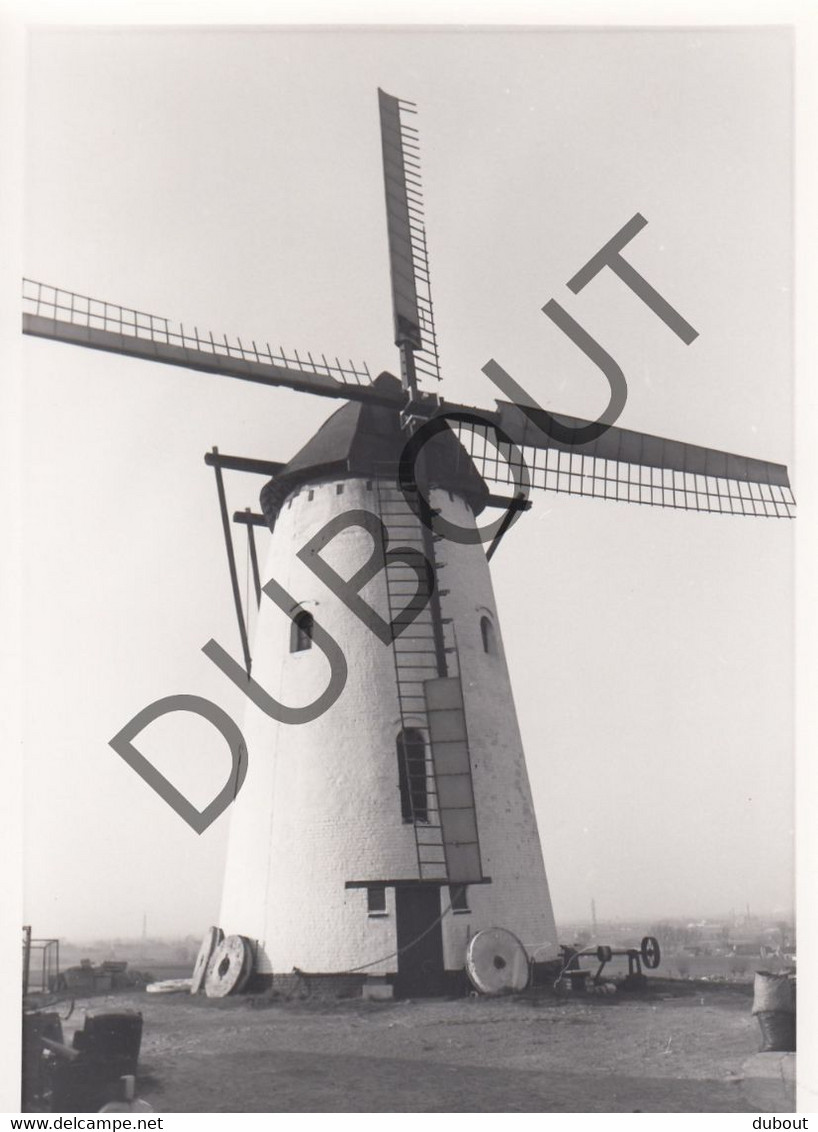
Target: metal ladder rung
415	661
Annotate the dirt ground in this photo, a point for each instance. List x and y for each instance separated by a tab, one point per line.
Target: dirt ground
677	1049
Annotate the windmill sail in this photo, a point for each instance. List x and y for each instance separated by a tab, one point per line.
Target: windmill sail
621	464
64	316
406	229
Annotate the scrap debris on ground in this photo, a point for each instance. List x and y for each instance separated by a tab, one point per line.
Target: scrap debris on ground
679	1048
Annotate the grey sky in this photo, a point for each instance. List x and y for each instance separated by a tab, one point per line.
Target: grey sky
232	179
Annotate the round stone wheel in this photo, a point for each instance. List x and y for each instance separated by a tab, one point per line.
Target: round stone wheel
230	967
213	937
496	962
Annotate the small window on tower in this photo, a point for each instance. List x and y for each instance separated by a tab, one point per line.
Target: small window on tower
376	900
487	633
301	632
459	897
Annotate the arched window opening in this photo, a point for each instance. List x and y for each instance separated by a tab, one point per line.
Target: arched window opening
488	635
301	632
414	800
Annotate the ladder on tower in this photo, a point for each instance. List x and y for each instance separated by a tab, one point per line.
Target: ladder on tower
415	653
437	776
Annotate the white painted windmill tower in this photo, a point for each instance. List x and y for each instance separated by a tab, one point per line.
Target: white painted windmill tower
408	798
377	835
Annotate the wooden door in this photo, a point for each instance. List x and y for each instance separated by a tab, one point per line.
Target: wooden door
420	942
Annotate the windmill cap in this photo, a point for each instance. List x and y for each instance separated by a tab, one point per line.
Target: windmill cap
365	439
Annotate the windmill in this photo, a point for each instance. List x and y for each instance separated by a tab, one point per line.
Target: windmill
380	835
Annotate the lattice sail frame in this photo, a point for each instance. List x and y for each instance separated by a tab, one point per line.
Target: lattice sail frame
406	229
672	478
764	492
49	311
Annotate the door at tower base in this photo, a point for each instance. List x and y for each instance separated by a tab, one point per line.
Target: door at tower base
419	942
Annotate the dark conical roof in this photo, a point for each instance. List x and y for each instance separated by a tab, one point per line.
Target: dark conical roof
366	439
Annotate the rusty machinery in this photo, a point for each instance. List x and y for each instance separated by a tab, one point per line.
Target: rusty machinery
98	1068
83	1076
648	954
